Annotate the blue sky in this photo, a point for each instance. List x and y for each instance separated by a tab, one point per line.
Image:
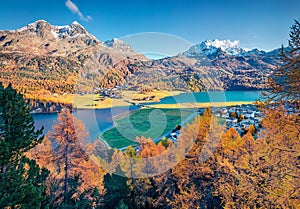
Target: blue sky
262	24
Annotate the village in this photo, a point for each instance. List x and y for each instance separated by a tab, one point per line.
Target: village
240	117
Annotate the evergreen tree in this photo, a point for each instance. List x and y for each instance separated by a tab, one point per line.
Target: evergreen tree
117	191
122	205
16	127
22	182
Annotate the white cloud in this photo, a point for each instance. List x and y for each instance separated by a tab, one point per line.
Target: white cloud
73	8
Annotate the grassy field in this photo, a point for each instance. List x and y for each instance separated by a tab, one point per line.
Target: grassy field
92	101
148	122
137	96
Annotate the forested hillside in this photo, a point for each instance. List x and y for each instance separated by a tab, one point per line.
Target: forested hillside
68	59
206	168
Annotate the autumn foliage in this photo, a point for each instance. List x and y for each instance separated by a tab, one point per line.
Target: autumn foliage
208	167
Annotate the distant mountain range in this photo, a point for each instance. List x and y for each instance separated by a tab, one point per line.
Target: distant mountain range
63	59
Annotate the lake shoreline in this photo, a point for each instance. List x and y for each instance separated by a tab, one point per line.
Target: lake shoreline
99	120
171	106
88	102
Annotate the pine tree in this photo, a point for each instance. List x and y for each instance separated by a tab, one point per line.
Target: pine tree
22	182
16	127
116	189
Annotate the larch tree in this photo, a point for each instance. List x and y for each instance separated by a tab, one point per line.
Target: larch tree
71	159
251	130
142	189
278	157
284	83
191	183
148	149
232	169
264	173
278	161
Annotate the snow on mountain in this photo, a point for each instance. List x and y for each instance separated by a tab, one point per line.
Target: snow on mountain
75	23
255	51
31	25
40	37
65	31
223	44
200	50
60	30
210	47
75	29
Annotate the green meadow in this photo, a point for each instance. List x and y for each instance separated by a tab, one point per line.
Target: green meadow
148	122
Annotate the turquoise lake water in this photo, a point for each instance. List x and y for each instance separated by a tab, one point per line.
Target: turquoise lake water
99	120
213	96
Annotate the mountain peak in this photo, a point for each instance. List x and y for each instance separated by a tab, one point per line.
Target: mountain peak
212	47
222	44
38	21
36	25
228	46
42	25
77	29
75	23
49	37
113	42
118	44
254	52
41	20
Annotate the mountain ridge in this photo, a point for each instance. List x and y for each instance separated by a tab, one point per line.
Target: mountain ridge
217	64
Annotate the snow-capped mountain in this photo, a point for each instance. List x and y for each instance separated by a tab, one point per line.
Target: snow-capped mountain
70	50
40	37
209	48
255	51
43	29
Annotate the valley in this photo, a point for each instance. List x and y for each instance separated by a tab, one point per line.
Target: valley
57	66
149	104
46	62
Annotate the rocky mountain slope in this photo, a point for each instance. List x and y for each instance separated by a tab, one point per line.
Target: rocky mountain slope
42	52
64	59
217	64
